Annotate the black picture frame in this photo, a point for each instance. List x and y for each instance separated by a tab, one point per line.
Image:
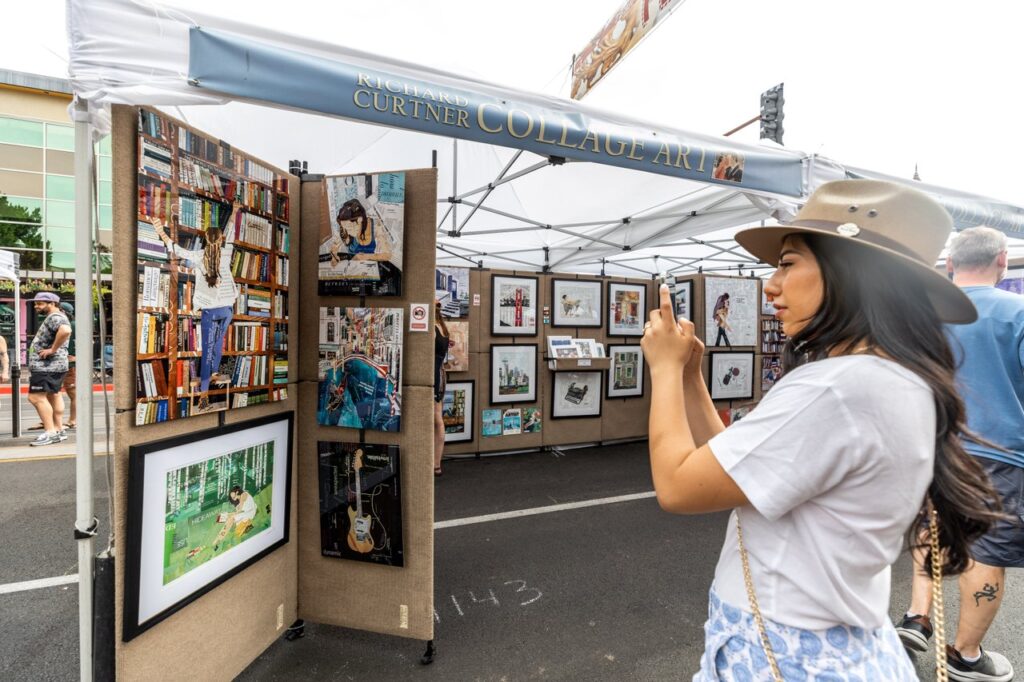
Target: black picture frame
632	393
531	396
715	387
594	284
470	415
636	329
599	373
684	287
496	329
137	456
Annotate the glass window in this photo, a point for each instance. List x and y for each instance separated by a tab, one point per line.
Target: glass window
60	213
106	217
103	146
60	187
60	137
106	192
17	235
16	131
21	209
61	239
62	261
105	168
30	260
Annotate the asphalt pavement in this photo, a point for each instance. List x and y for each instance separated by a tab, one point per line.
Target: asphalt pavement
611	592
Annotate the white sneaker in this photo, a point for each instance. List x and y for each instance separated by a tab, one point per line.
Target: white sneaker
46	439
62	435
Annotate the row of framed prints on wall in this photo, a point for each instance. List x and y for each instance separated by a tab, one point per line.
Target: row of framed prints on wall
575	303
205	505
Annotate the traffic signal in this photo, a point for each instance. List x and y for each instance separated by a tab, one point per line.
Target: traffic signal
772	114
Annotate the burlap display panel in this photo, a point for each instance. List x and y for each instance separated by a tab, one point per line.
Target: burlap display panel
192	643
351	593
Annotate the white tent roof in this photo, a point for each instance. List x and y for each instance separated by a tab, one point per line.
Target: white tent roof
573	216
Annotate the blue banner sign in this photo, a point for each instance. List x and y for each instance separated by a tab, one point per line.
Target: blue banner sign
243	67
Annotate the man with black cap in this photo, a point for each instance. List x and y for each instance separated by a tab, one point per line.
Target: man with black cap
48	363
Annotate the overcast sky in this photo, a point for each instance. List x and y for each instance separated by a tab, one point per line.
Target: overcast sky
881	84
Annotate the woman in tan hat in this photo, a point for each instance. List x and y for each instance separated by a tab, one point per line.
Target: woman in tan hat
856	444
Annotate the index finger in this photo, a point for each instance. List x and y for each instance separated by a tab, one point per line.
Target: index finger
666	303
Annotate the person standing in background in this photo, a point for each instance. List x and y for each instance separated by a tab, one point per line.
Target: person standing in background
48	363
990	376
441	342
69	378
5	364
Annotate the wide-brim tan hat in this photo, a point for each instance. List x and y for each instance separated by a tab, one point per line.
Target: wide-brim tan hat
899	224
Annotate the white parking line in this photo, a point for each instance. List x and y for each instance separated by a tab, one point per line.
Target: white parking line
469	520
10	588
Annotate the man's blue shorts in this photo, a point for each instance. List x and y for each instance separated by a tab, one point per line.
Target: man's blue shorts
1003	545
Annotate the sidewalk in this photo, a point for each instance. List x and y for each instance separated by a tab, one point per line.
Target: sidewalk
19	448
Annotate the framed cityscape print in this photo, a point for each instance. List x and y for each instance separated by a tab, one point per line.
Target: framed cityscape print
732	376
360	249
457	411
731	307
211	273
360	502
626	304
682	299
625	372
513	305
360	368
202	506
576	303
576	394
514	373
451	290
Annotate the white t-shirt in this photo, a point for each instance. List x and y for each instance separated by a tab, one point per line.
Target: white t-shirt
835	462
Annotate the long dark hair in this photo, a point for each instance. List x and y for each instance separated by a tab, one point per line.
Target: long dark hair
868	300
211	254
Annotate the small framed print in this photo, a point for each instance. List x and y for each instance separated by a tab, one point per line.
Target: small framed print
576	394
514	373
513	305
457	411
512	422
732	376
576	303
587	348
626	372
561	347
682	299
491	420
626	304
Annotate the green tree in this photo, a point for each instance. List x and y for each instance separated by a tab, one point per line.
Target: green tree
21	228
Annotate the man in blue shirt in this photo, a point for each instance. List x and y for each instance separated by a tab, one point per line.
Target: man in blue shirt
990	377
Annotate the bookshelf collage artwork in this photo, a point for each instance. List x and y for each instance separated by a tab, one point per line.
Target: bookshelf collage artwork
212	316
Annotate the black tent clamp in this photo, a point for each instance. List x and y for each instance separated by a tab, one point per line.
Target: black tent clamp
90	532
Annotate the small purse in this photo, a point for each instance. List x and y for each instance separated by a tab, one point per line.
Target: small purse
941	673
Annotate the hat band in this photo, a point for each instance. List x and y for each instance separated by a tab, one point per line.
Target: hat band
862	236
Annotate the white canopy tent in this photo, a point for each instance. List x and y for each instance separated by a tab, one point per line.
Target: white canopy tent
508	201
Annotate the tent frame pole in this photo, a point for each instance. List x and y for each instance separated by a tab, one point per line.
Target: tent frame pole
85	521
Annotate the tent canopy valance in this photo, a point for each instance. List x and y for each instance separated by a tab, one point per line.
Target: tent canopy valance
536	181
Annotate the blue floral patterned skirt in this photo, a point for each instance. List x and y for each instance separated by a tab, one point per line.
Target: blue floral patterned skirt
840	654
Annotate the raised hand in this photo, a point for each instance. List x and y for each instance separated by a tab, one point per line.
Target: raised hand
667	344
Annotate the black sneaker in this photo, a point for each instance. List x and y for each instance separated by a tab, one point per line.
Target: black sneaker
991	667
915	633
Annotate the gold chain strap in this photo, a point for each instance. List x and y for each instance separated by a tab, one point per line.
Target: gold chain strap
752	597
941	672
